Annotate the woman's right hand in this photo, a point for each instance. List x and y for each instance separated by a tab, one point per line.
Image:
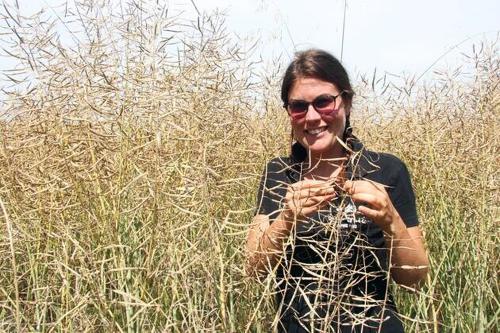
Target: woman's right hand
265	240
306	197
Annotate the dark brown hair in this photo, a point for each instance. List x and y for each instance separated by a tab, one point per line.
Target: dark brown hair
319	64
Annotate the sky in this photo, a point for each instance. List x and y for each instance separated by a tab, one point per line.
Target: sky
392	36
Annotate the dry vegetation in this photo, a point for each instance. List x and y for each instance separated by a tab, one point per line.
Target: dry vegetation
130	160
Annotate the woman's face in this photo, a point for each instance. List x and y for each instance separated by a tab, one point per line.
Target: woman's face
316	132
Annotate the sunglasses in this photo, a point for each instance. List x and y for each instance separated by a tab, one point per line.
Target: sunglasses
323	104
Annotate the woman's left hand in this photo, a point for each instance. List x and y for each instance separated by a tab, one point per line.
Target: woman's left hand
375	204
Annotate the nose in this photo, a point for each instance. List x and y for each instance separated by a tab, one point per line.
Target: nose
312	115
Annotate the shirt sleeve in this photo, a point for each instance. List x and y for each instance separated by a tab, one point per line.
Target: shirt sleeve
270	193
403	197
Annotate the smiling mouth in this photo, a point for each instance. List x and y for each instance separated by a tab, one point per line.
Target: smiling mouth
316	131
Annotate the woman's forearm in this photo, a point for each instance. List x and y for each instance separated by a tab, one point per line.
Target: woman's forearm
265	244
409	262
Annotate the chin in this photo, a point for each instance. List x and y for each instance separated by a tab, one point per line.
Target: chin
319	148
321	145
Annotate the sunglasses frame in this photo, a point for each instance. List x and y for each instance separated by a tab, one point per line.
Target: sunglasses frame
302	114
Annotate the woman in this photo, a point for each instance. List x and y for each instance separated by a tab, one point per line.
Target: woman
334	220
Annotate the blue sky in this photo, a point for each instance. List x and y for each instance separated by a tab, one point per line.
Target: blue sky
391	35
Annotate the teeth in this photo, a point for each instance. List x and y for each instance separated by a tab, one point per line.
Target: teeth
316	130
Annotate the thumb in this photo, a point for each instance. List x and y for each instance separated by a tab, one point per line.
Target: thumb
348	186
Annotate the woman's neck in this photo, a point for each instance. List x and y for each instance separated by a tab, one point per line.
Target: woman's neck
321	167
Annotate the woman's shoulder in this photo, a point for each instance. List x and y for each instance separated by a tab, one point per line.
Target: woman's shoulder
371	161
382	166
383	158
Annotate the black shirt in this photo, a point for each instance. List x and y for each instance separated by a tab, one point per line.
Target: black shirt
334	276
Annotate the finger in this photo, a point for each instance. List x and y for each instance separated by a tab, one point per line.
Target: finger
374	184
335	177
349	186
316	192
317	200
307	210
370	213
309	183
367	198
309	192
360	186
337	183
327	199
295	204
379	186
354	186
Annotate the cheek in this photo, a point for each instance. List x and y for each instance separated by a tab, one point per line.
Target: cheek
297	126
330	118
333	117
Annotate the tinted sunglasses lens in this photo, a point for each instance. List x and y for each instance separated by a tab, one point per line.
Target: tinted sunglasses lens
324	103
298	107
